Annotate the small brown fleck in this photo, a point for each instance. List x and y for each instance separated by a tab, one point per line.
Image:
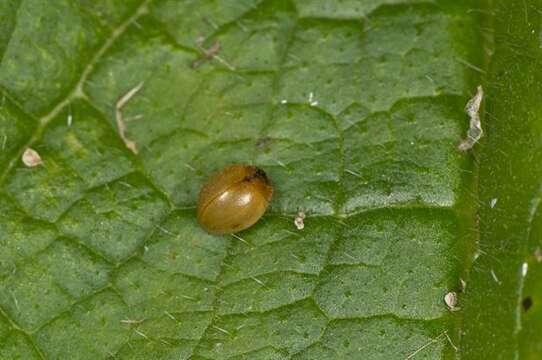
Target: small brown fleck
207	55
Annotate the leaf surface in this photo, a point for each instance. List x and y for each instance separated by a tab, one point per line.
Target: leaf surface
503	319
353	108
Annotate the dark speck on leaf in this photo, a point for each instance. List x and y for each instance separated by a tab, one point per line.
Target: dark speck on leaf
263	142
527	303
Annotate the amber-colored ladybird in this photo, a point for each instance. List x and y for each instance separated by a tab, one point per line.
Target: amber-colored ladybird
233	199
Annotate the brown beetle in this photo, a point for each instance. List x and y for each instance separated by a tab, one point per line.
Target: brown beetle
233	199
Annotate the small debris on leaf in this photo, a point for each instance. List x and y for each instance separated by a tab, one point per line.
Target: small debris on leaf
537	254
456	349
207	54
524	269
141	334
121	123
493	202
31	158
432	341
312	101
262	142
450	299
494	276
463	285
475	132
298	220
527	303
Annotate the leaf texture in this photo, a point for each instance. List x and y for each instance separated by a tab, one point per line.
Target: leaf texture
353	108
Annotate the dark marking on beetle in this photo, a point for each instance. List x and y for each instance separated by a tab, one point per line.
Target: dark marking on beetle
527	303
257	174
260	174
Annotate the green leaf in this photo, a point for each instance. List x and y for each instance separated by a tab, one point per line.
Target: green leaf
503	317
353	108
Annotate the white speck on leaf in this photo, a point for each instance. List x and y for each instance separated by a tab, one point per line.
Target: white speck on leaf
431	341
493	202
165	342
475	132
494	276
31	158
280	163
258	281
450	299
312	101
121	123
284	101
222	330
299	220
470	65
189	166
524	269
240	239
165	231
141	334
354	173
450	341
170	316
